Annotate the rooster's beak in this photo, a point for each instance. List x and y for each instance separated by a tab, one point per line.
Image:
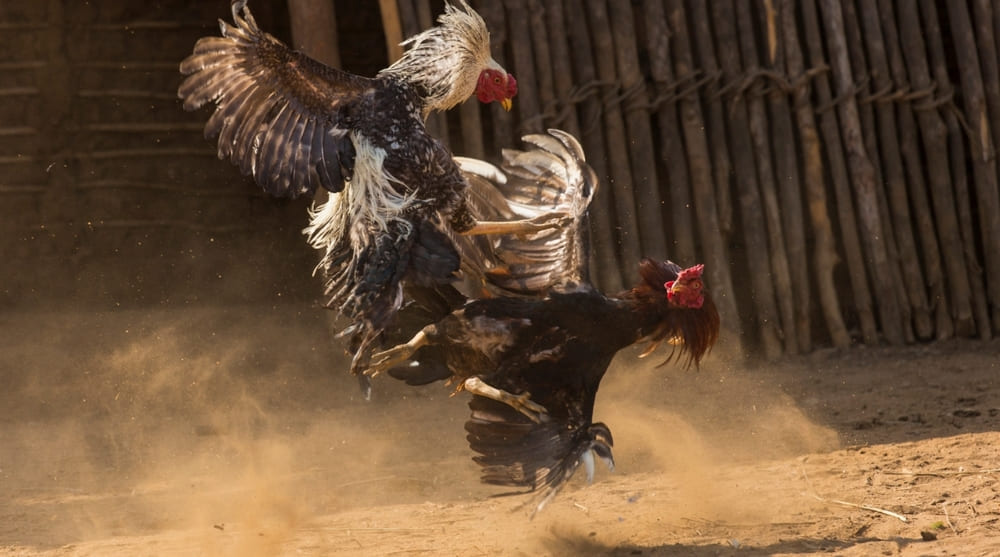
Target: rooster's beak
506	103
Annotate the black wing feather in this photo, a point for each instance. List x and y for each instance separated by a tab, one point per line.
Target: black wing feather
280	115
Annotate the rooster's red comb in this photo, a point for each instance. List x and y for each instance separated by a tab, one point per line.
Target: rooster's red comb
691	272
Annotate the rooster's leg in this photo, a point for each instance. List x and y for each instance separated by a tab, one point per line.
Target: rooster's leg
522	402
526	226
388	359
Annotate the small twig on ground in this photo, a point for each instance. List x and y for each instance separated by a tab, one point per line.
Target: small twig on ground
859	506
846	503
945	473
581	507
383	479
947	519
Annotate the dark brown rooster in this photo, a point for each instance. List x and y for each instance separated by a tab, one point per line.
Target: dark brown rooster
534	355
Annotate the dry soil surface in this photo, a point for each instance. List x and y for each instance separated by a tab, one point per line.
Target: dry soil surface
236	431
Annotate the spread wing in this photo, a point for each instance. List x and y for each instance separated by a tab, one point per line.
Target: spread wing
550	176
279	115
514	451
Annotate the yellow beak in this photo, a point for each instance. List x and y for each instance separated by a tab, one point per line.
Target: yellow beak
506	104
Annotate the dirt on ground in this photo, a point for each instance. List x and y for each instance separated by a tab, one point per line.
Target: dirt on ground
236	432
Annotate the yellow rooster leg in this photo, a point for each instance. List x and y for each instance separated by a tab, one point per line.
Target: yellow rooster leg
526	226
522	402
388	359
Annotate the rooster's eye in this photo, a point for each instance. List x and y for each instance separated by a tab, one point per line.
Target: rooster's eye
496	80
696	285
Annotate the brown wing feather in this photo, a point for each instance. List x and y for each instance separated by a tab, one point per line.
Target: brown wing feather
279	115
549	177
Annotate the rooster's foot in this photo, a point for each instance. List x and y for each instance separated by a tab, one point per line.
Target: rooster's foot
522	402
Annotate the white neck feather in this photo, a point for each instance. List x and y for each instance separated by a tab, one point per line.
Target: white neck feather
445	61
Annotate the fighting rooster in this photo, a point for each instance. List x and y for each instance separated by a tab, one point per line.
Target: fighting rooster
297	125
534	356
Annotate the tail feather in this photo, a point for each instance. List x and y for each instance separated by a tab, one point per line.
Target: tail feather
516	452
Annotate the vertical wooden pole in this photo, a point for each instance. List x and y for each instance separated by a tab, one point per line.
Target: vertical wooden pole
760	132
894	176
544	77
314	29
754	233
790	185
392	26
603	238
863	174
824	253
830	129
721	165
984	157
523	68
910	148
936	138
635	108
699	163
621	179
678	183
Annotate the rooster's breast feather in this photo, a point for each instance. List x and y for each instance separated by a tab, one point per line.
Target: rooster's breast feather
280	115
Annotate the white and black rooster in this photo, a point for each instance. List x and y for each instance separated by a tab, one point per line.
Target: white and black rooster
398	197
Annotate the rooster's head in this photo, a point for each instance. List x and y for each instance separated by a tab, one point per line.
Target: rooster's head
687	290
495	84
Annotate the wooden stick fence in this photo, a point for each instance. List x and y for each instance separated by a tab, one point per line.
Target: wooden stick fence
833	162
816	148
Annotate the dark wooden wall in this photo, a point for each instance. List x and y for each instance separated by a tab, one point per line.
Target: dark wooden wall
109	195
832	162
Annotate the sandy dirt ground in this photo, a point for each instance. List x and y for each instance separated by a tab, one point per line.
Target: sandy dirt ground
236	432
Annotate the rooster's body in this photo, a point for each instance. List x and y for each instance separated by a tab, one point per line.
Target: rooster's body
297	126
534	349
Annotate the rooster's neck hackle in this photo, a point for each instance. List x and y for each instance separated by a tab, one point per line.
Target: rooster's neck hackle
444	62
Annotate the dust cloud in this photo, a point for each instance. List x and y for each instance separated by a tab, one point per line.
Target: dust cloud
238	429
239	424
690	424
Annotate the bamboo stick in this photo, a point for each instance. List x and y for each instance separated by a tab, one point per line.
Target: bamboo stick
640	135
865	94
715	113
894	176
314	30
621	179
528	106
760	133
543	63
984	162
830	129
824	254
392	26
862	173
789	181
754	231
936	137
604	265
562	79
601	208
910	138
983	15
680	210
706	213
